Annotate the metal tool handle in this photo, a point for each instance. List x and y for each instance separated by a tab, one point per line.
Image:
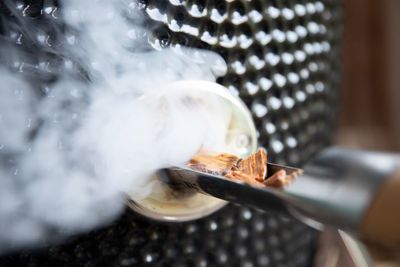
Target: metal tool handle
354	190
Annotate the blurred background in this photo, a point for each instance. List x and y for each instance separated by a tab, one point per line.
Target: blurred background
370	94
370	102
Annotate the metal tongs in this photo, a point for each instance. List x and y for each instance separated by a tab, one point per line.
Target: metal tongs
341	187
356	191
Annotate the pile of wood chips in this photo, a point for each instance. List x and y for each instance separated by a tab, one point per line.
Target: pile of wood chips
251	170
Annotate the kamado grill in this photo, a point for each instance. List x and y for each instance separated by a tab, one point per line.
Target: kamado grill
283	62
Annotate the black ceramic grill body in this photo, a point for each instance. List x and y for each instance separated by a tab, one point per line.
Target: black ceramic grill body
283	62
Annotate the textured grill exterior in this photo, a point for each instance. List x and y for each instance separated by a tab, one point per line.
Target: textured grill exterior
234	236
283	61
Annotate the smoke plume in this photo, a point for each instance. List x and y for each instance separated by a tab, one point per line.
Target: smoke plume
69	153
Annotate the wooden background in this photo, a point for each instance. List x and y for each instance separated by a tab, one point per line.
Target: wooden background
370	96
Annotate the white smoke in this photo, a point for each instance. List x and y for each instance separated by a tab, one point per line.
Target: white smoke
66	159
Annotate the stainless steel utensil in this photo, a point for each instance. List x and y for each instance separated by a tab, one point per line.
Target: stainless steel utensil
337	188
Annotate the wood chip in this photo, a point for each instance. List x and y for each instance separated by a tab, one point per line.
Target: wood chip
220	164
278	179
243	177
255	165
251	170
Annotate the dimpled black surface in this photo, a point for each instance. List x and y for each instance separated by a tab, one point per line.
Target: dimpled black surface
234	236
282	61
